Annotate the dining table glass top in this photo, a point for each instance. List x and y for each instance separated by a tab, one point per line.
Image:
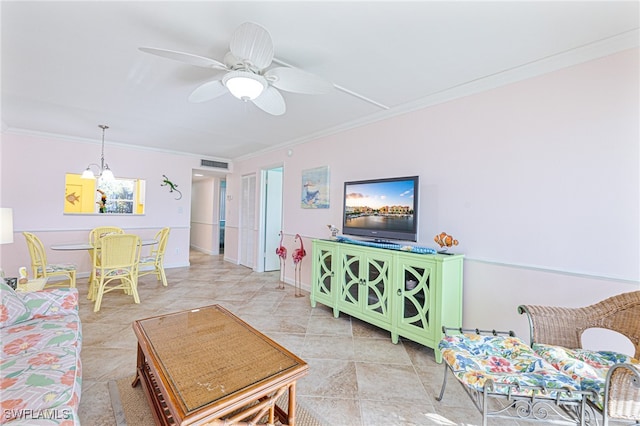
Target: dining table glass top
89	246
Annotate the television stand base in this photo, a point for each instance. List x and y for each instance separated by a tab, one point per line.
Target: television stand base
381	241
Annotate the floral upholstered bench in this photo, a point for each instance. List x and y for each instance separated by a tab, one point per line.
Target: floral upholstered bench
555	379
505	378
556	334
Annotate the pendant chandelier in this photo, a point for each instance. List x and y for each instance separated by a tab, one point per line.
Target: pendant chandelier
105	172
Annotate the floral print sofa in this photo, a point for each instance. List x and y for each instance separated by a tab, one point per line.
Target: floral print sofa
40	369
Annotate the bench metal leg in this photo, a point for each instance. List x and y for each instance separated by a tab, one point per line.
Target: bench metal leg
444	383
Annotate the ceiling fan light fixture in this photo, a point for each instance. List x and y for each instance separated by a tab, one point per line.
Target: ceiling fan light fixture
244	85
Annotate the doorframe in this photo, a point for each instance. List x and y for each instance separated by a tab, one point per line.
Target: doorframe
263	211
247	228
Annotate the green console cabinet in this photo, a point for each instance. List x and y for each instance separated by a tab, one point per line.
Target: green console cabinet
324	273
364	284
411	295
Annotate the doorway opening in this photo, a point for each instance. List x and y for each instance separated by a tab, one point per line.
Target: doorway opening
222	206
272	183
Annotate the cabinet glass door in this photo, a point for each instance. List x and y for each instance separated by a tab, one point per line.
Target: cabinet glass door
324	263
416	299
377	285
351	280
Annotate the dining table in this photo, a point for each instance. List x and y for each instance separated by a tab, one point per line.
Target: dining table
89	248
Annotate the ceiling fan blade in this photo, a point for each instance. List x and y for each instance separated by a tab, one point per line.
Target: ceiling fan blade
252	43
298	81
207	91
188	58
271	101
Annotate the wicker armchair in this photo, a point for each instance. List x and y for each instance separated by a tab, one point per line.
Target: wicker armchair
154	263
564	327
42	268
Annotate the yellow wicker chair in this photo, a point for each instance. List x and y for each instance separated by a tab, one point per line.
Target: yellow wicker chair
154	263
94	239
564	327
42	269
116	267
96	233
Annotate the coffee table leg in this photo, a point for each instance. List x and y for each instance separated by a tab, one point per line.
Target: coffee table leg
272	417
292	404
139	367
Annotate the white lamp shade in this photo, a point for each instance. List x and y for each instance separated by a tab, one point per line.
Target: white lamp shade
244	85
88	174
6	225
107	174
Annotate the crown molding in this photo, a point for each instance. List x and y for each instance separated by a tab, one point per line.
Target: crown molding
576	56
68	138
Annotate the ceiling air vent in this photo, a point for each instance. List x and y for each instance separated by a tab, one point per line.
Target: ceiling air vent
216	164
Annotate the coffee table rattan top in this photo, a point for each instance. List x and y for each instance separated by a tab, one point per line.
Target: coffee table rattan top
209	354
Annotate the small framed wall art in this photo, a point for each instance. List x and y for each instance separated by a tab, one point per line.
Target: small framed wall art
315	188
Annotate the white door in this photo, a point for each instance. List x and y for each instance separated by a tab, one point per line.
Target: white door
248	221
223	211
272	217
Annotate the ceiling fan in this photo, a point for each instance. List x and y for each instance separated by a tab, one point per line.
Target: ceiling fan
248	75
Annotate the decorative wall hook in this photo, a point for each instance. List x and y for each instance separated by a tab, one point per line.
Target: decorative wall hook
172	186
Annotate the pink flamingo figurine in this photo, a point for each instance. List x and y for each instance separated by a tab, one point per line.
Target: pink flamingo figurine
297	255
281	251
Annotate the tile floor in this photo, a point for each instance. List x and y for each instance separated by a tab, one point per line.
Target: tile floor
357	376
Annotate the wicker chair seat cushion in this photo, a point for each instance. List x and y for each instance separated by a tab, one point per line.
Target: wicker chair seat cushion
588	368
114	272
475	359
57	267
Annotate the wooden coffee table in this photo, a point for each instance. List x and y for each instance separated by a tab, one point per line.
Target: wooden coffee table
207	366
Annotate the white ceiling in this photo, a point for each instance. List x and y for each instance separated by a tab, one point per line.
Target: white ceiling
69	66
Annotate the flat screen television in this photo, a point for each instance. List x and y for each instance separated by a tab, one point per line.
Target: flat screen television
382	209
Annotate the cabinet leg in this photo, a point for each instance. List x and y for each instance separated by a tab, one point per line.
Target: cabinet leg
394	338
